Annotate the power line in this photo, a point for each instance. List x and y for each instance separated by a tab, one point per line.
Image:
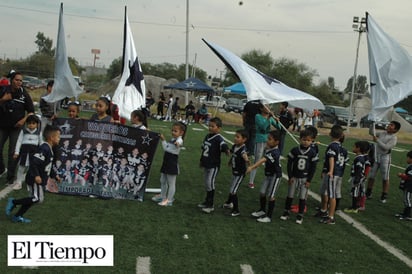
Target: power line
226	28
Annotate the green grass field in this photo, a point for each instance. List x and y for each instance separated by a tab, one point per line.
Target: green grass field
217	242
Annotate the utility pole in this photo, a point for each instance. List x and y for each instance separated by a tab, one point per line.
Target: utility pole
359	27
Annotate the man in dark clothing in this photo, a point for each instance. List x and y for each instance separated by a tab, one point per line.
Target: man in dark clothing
15	105
286	119
249	112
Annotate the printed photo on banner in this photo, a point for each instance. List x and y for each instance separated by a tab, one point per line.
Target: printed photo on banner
103	159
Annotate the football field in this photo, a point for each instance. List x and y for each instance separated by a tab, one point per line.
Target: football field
183	239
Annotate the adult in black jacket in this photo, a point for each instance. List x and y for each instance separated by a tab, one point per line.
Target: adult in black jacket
286	119
15	105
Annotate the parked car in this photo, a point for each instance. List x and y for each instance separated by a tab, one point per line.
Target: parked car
408	118
365	122
235	104
217	101
336	115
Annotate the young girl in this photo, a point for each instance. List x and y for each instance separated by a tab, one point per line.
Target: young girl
102	111
27	143
170	165
273	174
138	119
73	110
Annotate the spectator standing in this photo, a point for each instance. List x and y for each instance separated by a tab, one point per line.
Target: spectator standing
175	110
263	122
248	115
190	112
149	102
169	108
48	110
161	105
286	119
16	105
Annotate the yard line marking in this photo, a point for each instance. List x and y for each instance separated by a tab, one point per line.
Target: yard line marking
246	269
143	265
198	129
5	191
359	226
388	247
229	132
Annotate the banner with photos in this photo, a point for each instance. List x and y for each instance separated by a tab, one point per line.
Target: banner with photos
102	159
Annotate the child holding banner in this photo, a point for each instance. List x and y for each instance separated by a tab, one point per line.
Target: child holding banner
102	111
73	110
170	165
138	119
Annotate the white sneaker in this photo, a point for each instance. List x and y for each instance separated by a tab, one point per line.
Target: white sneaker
264	220
208	209
258	214
17	185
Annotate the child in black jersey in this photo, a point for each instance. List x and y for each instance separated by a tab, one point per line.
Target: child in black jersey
273	174
212	147
406	186
238	162
357	174
39	172
302	162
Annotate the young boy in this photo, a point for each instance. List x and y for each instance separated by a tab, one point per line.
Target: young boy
333	168
357	173
385	141
302	162
406	186
238	162
36	178
273	174
212	147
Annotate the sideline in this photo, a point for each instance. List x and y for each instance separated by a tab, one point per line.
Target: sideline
143	265
359	226
6	191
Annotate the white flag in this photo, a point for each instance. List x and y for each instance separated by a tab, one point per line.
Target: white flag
64	83
262	87
130	94
390	69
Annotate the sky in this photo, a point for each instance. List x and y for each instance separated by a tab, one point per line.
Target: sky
317	33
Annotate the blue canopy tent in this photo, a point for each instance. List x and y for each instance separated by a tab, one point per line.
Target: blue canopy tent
191	84
400	110
237	88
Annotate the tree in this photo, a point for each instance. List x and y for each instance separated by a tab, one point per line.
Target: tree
288	71
256	58
44	44
294	74
115	68
361	85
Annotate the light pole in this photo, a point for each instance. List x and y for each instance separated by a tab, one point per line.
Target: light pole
358	26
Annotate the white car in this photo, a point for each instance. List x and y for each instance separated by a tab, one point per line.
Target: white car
217	101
